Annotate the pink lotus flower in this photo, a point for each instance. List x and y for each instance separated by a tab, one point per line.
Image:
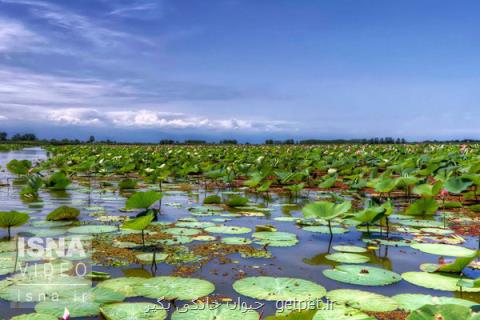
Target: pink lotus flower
66	314
443	193
463	148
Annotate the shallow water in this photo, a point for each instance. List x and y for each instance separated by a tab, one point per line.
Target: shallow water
305	260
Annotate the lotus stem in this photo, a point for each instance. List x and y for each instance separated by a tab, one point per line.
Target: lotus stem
330	228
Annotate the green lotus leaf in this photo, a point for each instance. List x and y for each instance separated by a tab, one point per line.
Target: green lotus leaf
236	201
182	231
212	199
236	240
124	285
228	230
57	181
19	166
428	190
339	312
143	200
12	219
441	312
351	249
63	213
34	316
76	308
215	312
347	257
423	207
454	267
148	257
324	229
92	229
130	311
444	249
127	184
363	300
275	239
362	275
195	224
140	223
436	281
33	288
411	301
326	210
457	185
279	289
171	288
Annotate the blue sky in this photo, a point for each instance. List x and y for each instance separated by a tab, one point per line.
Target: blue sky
143	70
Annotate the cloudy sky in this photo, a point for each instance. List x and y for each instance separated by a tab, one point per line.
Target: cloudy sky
143	70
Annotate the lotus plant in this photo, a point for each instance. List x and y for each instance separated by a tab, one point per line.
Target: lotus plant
326	210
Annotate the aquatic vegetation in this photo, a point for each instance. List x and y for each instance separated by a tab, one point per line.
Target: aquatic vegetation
12	219
279	289
19	167
326	210
248	223
57	181
63	213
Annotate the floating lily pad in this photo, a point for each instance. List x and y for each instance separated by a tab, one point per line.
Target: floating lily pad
411	301
324	229
350	249
182	231
343	257
436	281
442	312
148	257
93	229
34	316
204	238
236	240
228	230
279	289
220	312
443	249
362	275
363	300
174	288
137	310
195	225
123	285
339	312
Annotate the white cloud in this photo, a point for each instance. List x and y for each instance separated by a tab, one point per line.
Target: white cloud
3	118
66	101
81	26
15	37
151	119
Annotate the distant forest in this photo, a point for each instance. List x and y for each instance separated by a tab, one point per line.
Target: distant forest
32	138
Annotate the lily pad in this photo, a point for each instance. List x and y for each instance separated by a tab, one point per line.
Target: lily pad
350	249
279	289
362	275
324	229
218	312
174	288
411	301
236	240
363	300
436	281
228	230
123	285
93	229
443	249
137	310
347	257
